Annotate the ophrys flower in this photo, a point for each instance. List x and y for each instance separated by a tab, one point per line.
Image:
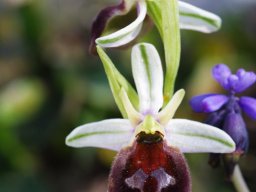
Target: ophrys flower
150	142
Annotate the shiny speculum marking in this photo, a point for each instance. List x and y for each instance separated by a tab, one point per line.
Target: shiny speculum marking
149	165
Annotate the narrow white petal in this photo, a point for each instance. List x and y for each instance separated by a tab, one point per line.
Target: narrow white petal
191	136
128	33
148	77
133	115
194	18
168	112
109	134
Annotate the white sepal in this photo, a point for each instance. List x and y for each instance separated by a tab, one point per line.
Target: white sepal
126	34
148	77
194	18
191	136
109	134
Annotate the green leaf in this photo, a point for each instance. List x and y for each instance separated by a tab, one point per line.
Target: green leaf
172	44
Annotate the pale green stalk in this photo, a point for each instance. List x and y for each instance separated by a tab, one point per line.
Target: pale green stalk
172	47
238	180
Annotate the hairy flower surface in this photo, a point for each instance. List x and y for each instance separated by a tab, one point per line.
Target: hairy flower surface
225	110
150	142
191	18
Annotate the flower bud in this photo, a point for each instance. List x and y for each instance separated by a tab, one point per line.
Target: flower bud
235	126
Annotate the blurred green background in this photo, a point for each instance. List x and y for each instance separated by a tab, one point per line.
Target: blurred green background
49	84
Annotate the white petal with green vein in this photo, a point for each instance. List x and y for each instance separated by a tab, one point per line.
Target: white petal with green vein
148	77
194	18
128	33
191	136
109	134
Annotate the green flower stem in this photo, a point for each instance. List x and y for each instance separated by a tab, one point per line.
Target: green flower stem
172	47
238	180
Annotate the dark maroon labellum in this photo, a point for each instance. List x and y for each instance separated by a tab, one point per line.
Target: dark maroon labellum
149	165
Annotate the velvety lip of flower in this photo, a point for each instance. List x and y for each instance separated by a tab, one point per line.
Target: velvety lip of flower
234	83
114	134
191	18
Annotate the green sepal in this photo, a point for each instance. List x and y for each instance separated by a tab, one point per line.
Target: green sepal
117	81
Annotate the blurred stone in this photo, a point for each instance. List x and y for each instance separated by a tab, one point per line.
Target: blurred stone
98	185
16	2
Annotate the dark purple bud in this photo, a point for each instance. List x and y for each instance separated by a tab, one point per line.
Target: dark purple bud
235	126
221	72
149	167
103	18
248	104
216	118
208	102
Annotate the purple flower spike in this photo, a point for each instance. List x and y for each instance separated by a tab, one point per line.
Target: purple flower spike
226	112
234	125
248	104
242	80
208	102
221	73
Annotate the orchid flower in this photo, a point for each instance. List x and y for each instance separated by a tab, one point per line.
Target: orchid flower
191	18
150	142
225	110
169	16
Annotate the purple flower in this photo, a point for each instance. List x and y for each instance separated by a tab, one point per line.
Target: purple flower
225	111
233	83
